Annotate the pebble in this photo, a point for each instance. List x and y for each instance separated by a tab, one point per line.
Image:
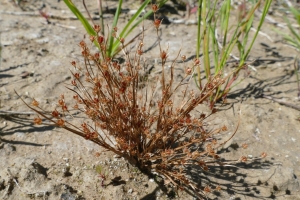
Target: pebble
129	191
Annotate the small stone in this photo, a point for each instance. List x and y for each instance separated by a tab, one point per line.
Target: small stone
130	191
134	193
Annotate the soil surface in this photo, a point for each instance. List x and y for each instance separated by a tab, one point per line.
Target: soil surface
43	162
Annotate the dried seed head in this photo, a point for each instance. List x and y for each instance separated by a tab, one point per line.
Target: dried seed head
163	55
35	103
122	40
97	28
157	23
92	38
64	107
243	159
244	146
60	122
218	188
115	29
154	8
139	52
196	62
85	53
224	128
188	71
37	121
263	154
55	114
76	106
76	75
100	39
207	189
96	56
183	57
82	44
73	63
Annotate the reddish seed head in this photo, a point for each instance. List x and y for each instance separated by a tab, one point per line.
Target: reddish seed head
37	121
115	29
85	53
82	44
100	39
97	28
196	62
154	8
92	38
139	52
207	189
224	128
244	146
73	82
76	106
75	97
64	108
122	40
73	63
263	154
157	23
76	75
243	159
163	55
60	122
188	71
35	103
97	56
61	102
55	114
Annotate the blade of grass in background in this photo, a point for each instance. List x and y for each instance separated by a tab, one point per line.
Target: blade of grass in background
129	27
209	18
115	22
90	30
114	44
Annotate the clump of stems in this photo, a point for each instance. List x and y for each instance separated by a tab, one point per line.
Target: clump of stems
142	124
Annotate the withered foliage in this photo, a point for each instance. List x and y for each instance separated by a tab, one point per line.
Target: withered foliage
142	124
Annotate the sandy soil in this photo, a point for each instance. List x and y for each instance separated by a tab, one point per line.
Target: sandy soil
42	162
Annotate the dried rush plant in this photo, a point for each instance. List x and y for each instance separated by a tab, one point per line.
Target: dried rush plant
140	123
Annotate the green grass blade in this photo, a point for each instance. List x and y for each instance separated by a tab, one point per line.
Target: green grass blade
261	21
90	30
125	32
115	22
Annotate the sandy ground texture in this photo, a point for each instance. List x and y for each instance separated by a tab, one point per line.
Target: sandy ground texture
42	162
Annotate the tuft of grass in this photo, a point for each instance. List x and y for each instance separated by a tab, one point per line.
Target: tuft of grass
217	35
142	121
